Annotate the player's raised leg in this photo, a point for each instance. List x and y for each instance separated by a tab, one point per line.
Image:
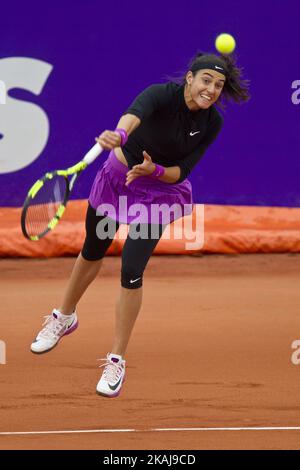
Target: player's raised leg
84	272
63	320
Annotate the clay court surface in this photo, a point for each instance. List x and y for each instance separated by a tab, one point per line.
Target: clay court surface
211	349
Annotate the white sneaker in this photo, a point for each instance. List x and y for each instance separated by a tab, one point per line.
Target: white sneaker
113	376
56	326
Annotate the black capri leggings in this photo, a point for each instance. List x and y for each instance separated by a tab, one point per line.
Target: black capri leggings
137	250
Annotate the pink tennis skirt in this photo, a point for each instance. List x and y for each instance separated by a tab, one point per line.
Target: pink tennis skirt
144	200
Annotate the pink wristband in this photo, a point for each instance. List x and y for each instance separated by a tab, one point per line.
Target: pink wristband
158	172
124	136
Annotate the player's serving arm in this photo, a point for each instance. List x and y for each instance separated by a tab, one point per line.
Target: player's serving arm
112	139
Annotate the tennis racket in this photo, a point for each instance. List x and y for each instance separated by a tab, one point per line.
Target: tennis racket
47	199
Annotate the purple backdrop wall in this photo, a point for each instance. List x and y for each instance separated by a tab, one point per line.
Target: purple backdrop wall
104	53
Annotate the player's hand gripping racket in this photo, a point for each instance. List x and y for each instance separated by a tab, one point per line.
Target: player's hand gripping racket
47	199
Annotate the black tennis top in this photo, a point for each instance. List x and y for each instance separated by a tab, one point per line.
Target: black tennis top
169	132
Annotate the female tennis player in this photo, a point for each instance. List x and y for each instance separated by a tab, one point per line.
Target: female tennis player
157	143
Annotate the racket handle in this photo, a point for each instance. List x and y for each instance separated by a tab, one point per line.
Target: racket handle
92	154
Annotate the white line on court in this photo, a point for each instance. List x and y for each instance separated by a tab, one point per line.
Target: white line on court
95	431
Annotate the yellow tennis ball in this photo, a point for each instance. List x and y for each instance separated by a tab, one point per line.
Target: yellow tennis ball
225	43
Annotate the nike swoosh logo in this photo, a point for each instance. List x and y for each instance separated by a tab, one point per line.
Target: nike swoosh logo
113	387
69	326
194	133
134	280
220	68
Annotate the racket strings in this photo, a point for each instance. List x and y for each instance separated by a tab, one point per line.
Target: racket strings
43	208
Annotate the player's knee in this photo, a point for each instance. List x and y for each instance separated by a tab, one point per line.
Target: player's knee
90	252
131	279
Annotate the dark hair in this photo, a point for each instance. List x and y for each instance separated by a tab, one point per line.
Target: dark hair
235	88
